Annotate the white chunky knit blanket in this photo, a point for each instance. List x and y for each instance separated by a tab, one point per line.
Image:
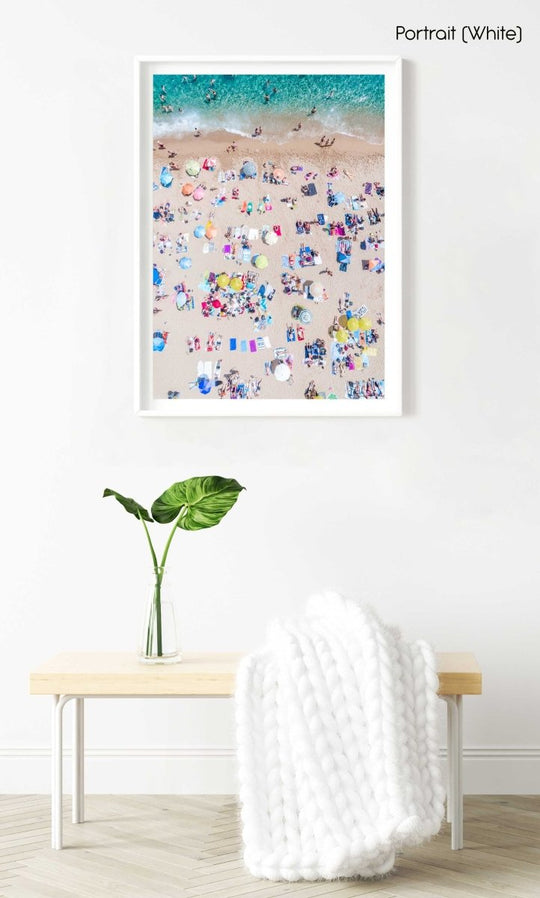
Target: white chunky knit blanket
338	745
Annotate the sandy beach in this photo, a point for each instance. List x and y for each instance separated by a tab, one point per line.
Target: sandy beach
220	343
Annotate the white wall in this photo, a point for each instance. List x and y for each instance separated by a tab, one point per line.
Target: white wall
440	531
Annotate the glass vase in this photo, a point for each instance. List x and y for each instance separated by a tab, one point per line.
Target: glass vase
159	638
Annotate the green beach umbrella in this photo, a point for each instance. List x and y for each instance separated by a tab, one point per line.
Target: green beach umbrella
193	168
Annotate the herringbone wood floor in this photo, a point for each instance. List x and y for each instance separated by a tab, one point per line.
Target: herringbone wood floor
184	847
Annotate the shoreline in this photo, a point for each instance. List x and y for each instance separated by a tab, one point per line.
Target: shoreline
295	146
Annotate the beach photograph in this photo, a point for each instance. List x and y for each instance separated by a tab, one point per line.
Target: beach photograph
268	233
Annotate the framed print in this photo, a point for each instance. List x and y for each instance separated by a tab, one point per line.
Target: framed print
269	236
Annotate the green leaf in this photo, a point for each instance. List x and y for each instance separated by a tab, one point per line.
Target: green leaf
129	504
204	501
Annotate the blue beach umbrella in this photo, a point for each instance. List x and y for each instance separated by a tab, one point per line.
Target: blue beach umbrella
199	231
204	384
156	277
185	262
158	343
339	197
165	177
248	170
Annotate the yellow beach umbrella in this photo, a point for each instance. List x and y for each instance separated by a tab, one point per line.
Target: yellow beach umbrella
223	280
236	284
261	261
352	324
364	324
342	336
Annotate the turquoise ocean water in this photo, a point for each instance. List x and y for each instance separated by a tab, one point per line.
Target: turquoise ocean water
345	104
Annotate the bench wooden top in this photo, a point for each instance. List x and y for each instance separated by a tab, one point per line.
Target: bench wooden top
199	673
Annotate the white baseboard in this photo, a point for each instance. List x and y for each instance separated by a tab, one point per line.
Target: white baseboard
211	770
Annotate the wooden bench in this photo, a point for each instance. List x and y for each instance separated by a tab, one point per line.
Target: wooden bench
80	675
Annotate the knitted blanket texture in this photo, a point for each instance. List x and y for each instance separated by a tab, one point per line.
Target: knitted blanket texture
338	745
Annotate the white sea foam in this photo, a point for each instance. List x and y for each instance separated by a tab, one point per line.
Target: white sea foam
277	128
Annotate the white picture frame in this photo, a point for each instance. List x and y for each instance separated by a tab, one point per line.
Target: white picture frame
145	403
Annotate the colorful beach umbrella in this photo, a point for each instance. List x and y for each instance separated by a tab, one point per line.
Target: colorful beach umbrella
352	324
165	177
282	372
248	170
236	284
198	193
187	189
260	261
209	163
204	384
199	231
270	237
223	280
185	262
181	299
193	168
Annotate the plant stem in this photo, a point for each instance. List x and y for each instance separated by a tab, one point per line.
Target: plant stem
154	557
156	601
157	605
159	570
169	541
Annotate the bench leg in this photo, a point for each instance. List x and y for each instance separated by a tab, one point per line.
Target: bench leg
454	810
78	761
56	771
